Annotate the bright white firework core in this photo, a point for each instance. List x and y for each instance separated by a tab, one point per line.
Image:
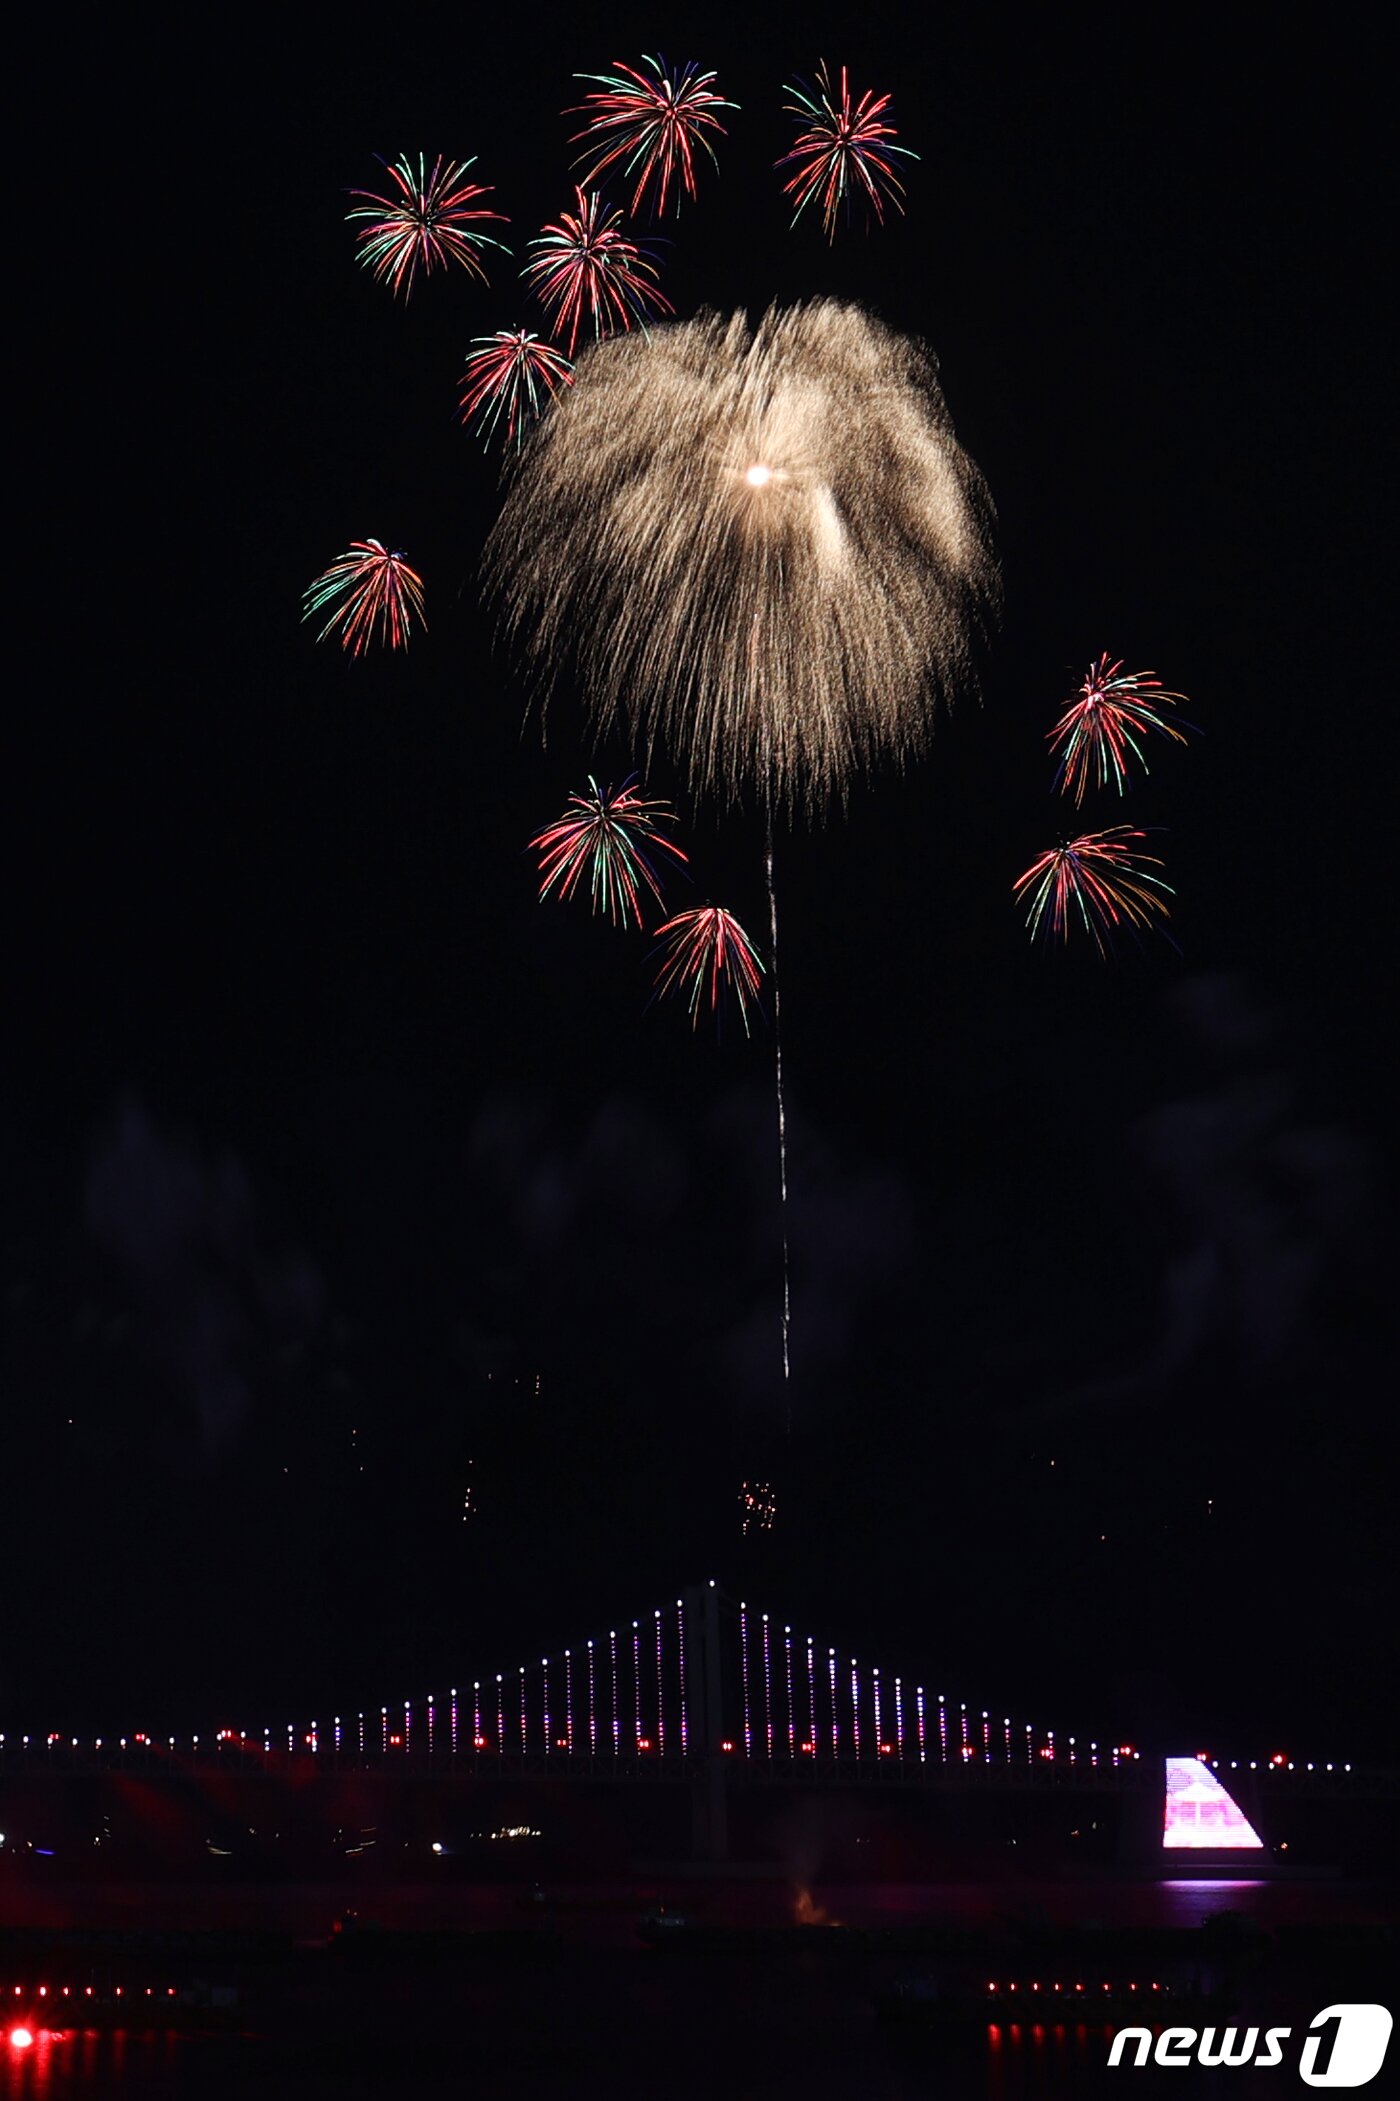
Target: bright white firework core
758	477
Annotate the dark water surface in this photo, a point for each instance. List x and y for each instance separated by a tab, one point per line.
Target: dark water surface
592	2011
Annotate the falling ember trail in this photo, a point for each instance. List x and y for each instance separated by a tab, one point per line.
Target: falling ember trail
782	1119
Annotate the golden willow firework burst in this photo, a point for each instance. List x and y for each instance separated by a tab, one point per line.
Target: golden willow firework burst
764	547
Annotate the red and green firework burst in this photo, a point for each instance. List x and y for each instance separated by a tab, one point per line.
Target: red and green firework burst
615	837
1099	729
1096	881
843	151
651	126
378	590
430	220
587	266
508	383
708	958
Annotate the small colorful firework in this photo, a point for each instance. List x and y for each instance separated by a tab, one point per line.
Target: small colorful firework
842	152
1101	725
1096	881
430	220
614	835
509	381
379	590
587	266
653	126
708	958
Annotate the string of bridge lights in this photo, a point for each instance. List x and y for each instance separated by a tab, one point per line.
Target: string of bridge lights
626	1695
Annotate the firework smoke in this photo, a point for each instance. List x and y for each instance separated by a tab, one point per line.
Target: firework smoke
762	547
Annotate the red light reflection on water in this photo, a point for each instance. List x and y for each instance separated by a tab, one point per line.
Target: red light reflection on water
1034	2058
57	2062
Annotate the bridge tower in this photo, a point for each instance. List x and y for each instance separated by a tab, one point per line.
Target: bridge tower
704	1699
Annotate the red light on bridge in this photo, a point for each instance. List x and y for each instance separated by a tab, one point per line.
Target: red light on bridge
643	1743
478	1742
396	1739
810	1750
726	1745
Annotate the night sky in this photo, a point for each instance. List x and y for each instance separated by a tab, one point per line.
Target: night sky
342	1177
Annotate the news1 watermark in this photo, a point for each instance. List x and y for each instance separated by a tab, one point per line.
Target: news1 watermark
1341	2046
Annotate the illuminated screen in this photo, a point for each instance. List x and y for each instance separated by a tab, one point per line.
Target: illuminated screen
1200	1812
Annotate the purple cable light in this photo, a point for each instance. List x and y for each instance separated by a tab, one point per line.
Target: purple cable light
616	1714
660	1694
744	1677
791	1710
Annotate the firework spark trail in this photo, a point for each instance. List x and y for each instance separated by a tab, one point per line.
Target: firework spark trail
763	547
782	1121
709	957
512	375
431	220
615	836
1100	877
843	149
1101	725
587	264
378	587
651	125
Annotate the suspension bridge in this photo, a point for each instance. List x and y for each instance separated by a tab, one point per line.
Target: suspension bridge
703	1689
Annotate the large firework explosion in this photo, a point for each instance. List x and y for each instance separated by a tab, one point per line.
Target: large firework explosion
764	547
